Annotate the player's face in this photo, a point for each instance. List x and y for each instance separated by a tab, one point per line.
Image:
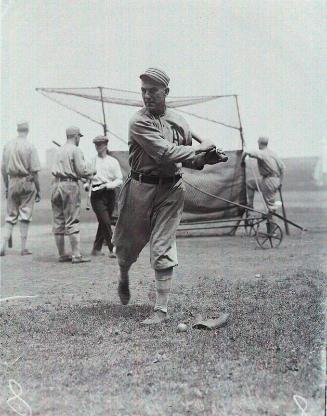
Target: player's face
100	147
154	95
77	139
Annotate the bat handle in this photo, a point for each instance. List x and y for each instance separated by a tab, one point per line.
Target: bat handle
88	201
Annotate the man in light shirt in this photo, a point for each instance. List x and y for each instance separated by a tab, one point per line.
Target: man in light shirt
108	177
271	169
20	167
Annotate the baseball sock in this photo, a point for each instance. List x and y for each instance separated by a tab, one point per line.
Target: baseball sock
23	233
163	288
124	273
6	235
60	243
75	242
250	196
123	285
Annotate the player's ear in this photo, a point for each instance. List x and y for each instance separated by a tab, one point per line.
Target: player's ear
166	91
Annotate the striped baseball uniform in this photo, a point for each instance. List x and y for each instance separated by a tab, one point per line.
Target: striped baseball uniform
151	212
19	160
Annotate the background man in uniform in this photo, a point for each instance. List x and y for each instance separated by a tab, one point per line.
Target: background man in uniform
108	177
20	166
69	167
151	200
271	169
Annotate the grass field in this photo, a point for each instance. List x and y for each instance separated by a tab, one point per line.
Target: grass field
74	350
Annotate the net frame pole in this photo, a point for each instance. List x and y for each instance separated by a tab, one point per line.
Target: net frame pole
105	130
239	120
243	145
242	160
287	229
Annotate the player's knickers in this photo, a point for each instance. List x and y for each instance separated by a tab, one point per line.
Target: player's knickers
21	199
66	203
268	186
148	213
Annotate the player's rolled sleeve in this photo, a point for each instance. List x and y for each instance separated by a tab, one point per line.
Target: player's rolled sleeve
35	165
281	166
4	162
80	164
154	144
256	154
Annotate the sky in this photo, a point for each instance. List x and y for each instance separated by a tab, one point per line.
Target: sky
272	54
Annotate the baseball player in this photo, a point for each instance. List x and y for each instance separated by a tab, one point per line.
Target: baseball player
108	177
152	197
20	167
68	168
271	169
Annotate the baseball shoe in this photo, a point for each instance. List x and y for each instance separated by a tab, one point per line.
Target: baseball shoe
80	259
96	253
25	252
123	291
65	258
157	318
112	254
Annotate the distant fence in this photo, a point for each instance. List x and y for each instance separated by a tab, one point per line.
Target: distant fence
299	175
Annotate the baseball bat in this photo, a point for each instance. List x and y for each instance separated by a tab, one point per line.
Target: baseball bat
88	200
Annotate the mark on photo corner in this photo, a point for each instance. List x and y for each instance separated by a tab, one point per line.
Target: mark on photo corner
16	402
301	403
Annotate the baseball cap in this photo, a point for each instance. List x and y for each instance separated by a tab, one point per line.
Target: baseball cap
263	140
157	75
22	126
72	130
100	139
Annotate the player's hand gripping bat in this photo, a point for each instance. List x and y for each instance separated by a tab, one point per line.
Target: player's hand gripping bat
215	156
212	154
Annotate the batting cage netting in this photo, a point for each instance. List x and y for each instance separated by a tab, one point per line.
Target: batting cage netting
210	193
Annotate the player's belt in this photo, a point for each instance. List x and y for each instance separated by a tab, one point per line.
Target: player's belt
59	179
28	177
155	180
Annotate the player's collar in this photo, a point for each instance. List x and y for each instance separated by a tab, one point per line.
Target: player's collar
156	115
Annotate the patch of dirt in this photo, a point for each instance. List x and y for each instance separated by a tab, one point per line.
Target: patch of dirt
74	350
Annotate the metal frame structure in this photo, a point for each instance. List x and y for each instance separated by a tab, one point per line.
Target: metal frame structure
268	234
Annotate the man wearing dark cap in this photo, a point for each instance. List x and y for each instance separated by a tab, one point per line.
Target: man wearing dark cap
151	200
271	169
68	169
20	167
108	177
